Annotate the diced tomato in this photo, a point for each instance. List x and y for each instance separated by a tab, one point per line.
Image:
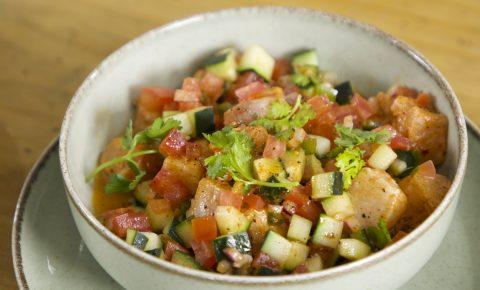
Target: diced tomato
204	228
155	98
282	67
253	201
297	196
402	91
198	150
170	247
190	91
330	165
212	86
290	90
274	147
424	100
204	254
300	269
242	80
170	187
174	144
361	107
114	212
230	198
427	169
310	211
186	106
398	141
324	122
250	91
129	220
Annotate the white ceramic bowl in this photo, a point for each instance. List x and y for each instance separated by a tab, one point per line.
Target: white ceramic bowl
370	58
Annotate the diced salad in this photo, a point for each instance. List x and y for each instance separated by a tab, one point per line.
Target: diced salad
263	166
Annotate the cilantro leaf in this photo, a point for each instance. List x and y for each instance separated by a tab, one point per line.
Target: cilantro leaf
161	127
235	158
282	119
117	184
350	163
378	236
349	137
128	136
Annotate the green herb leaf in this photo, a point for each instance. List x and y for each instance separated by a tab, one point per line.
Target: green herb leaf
350	163
235	158
128	136
348	137
117	184
282	119
161	127
378	236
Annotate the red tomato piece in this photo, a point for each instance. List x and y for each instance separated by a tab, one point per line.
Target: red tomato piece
129	220
254	201
204	254
190	92
204	228
155	98
174	144
171	188
361	107
170	247
186	106
330	166
242	80
297	196
324	122
310	211
212	86
424	100
282	67
274	148
398	141
427	169
250	91
230	198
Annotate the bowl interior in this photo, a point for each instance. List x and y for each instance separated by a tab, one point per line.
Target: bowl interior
102	106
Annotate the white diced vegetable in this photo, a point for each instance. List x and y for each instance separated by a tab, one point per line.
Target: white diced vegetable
298	255
338	206
398	167
299	229
353	249
314	263
322	146
276	247
230	220
328	232
382	158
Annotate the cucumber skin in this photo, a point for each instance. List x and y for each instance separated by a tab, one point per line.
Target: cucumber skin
239	241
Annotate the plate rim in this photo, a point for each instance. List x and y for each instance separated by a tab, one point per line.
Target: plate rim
26	190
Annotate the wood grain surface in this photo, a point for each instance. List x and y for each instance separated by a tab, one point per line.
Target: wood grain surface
48	47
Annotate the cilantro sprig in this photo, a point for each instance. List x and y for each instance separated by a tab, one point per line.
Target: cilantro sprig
282	119
235	158
350	163
377	237
349	137
118	183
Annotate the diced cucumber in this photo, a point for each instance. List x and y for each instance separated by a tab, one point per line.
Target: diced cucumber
265	168
344	93
185	122
322	145
327	184
140	241
294	164
299	229
301	81
156	252
131	233
239	241
276	247
305	57
182	232
310	145
265	271
314	263
313	166
382	158
223	64
404	164
184	259
202	120
339	207
153	242
328	232
353	249
257	59
159	213
298	255
169	113
143	193
230	220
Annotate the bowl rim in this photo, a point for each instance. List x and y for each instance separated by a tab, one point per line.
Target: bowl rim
329	273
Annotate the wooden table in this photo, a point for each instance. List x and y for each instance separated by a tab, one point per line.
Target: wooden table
48	47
